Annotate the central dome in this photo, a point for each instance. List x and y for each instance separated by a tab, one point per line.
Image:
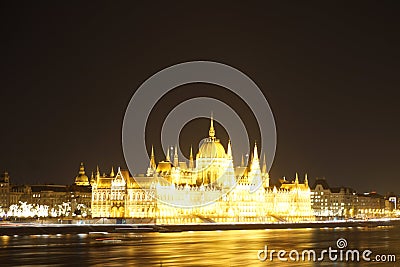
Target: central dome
211	148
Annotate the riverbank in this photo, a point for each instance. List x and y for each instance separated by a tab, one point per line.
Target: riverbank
51	229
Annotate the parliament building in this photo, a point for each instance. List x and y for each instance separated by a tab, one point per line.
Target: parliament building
210	189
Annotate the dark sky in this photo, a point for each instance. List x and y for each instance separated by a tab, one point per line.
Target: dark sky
329	69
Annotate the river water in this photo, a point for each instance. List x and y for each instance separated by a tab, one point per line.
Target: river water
208	248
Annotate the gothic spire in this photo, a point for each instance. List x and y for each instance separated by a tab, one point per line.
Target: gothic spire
264	167
229	149
81	169
97	172
176	160
255	163
255	153
152	159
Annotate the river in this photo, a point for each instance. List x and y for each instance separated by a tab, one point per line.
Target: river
203	248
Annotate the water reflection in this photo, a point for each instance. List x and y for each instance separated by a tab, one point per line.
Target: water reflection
214	248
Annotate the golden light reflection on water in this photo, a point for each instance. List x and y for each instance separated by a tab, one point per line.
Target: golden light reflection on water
5	239
213	248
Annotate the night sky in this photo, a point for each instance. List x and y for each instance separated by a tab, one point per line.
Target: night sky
330	71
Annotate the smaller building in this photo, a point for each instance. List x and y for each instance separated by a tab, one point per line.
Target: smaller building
329	203
49	195
4	191
370	205
391	202
20	193
72	199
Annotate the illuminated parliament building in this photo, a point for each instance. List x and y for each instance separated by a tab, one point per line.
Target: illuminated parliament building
210	189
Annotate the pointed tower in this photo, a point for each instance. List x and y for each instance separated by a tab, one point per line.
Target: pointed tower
211	132
264	166
191	161
264	173
255	171
242	162
97	173
229	153
112	174
92	181
296	181
176	159
255	161
152	159
152	165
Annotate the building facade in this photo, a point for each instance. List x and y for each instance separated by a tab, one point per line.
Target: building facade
72	199
329	203
4	191
210	190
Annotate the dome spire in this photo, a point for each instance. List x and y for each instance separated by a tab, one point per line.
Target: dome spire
211	132
82	169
